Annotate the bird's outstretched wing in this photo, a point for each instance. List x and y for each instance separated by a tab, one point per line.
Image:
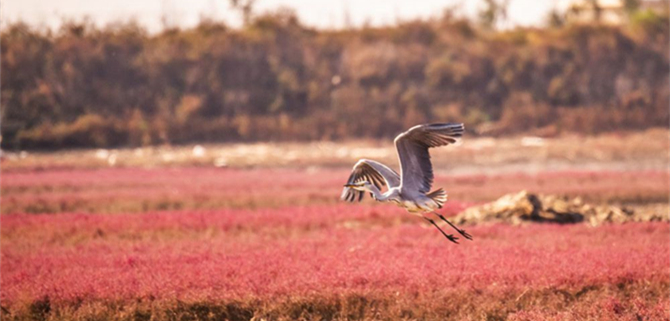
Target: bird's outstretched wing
373	172
415	167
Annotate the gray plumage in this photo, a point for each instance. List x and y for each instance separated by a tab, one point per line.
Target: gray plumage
373	172
410	189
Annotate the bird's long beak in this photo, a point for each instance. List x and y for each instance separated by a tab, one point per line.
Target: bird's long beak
348	185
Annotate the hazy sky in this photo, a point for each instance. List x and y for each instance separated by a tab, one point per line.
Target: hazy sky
323	14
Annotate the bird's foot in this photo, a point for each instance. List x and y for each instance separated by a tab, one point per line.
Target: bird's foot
465	234
452	238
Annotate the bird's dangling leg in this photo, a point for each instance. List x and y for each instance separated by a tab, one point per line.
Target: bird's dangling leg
462	232
448	236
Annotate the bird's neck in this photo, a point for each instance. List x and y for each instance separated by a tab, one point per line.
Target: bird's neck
377	194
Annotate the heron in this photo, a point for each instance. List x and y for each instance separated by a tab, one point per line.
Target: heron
411	189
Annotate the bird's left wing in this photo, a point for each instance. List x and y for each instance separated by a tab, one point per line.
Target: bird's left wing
373	172
415	167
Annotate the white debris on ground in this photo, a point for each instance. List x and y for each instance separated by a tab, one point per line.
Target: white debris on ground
102	153
199	151
220	162
532	141
13	156
524	207
109	156
111	160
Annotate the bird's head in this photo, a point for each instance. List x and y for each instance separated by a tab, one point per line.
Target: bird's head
360	186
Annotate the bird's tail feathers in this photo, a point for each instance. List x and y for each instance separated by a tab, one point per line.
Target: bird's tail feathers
438	196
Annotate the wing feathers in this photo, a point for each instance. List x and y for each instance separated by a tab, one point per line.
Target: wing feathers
373	172
412	146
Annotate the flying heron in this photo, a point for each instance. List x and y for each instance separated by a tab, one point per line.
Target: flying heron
410	190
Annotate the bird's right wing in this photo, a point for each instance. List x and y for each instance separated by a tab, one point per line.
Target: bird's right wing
415	167
373	172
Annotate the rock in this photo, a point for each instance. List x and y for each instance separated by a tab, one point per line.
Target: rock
525	207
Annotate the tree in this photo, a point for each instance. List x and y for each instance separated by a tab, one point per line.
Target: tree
245	7
493	12
631	6
597	9
555	19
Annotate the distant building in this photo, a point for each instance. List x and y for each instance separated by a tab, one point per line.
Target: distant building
656	5
605	11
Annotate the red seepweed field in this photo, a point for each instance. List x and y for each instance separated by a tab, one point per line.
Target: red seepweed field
276	244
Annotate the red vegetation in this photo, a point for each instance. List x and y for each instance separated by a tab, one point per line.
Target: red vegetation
241	255
140	190
254	256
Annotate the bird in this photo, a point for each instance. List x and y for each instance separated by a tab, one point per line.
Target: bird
411	189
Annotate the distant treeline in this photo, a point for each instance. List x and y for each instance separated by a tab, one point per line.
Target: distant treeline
275	79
